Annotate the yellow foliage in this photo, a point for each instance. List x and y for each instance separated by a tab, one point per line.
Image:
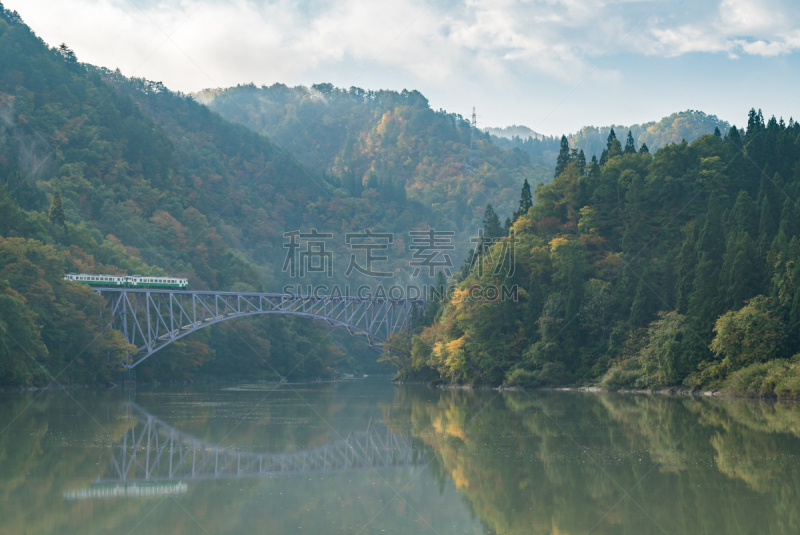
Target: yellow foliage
459	478
557	242
457	344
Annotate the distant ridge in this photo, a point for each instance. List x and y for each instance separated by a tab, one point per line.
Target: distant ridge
685	125
515	130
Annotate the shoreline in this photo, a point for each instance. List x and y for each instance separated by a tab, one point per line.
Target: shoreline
668	391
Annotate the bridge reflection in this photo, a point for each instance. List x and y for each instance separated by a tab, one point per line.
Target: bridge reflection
155	458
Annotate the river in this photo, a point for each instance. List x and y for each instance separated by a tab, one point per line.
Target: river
367	457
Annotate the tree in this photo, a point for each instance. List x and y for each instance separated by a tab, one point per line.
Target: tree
491	223
643	149
752	334
563	156
744	216
525	201
612	136
630	148
56	214
397	352
663	356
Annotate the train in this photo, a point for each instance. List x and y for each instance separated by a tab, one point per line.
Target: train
127	281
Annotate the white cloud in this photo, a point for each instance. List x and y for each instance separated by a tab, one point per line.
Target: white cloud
461	50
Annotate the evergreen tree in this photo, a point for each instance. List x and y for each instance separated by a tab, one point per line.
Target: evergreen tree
614	146
525	201
687	263
580	162
643	149
642	308
594	169
744	216
703	302
491	224
717	132
533	311
766	228
740	278
612	136
636	230
630	147
56	214
789	221
563	156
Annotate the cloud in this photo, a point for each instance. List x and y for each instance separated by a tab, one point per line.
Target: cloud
457	52
760	28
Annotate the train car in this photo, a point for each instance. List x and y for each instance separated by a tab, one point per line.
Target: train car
138	281
96	280
134	281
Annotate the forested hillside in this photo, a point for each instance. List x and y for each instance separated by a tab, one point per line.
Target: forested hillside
391	141
686	125
105	174
678	268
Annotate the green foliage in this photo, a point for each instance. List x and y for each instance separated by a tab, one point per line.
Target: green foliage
775	378
391	143
643	272
123	176
749	335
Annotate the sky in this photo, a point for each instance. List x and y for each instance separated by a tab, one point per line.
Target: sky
552	65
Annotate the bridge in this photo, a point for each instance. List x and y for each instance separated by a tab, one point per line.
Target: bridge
152	319
155	458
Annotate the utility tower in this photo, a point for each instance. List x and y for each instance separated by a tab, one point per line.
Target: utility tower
471	141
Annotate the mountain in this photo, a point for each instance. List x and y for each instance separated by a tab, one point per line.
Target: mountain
510	132
687	125
106	174
392	141
679	268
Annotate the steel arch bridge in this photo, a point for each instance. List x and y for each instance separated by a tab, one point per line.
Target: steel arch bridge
152	319
152	457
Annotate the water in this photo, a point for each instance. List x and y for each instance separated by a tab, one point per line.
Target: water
367	457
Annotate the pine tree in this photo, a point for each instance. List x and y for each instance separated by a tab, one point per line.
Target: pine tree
703	303
643	308
525	201
630	148
636	231
789	221
612	136
534	309
744	216
687	263
491	223
594	169
717	132
563	156
643	149
56	214
580	162
766	228
740	278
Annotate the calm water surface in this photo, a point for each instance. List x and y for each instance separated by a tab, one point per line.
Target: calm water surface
364	457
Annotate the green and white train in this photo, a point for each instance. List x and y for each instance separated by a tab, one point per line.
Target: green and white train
125	281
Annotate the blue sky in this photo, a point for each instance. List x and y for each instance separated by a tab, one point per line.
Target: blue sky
552	65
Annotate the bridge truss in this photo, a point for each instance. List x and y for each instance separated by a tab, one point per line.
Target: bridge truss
152	319
152	451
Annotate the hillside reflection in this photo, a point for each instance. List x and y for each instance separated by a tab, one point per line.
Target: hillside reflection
564	462
486	462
